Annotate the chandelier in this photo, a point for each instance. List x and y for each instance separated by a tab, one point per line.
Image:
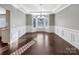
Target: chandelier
40	17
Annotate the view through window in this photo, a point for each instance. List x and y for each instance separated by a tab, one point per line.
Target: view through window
38	22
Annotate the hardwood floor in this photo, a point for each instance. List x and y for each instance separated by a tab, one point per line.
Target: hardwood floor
45	44
50	44
22	41
3	46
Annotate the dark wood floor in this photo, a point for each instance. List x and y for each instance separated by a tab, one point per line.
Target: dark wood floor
45	44
50	44
8	50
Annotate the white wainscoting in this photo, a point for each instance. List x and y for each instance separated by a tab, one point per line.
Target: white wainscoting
29	28
50	29
17	32
70	35
47	29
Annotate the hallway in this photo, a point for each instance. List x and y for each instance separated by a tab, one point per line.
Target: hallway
50	44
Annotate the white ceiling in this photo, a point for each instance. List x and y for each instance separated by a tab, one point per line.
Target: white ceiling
36	8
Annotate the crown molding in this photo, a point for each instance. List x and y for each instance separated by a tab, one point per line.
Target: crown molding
56	10
21	8
60	8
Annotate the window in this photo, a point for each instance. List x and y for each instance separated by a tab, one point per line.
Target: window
34	22
2	20
40	23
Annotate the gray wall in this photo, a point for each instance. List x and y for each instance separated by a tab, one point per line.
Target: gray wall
69	17
17	17
29	19
29	22
17	20
51	19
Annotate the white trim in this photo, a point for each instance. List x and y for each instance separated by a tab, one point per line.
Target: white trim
56	10
60	9
70	35
21	8
17	32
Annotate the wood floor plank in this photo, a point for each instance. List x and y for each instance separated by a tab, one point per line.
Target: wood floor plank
45	44
50	44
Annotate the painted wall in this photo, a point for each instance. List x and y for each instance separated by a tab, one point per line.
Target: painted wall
17	22
67	24
51	22
28	19
51	19
29	23
69	17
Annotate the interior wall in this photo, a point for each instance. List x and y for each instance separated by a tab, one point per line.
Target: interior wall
69	17
29	19
29	22
51	22
17	22
67	24
51	19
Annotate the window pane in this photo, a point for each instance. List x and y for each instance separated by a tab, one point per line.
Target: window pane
40	22
34	22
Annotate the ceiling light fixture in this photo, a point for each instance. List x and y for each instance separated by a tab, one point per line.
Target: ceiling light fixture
40	17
